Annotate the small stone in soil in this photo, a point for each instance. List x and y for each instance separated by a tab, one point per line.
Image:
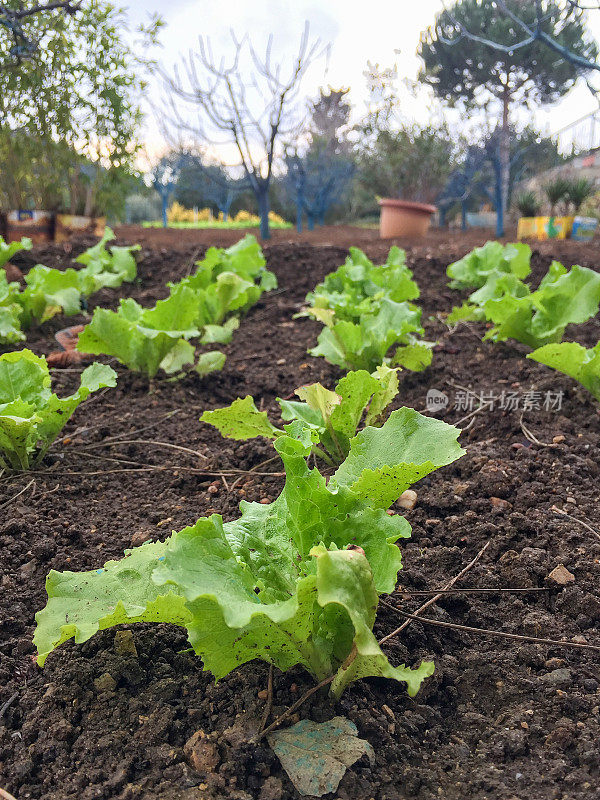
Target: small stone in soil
105	683
139	537
124	644
408	499
561	576
201	754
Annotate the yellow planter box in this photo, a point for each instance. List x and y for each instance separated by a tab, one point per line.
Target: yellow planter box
542	228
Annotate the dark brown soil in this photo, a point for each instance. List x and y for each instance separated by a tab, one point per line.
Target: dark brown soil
499	720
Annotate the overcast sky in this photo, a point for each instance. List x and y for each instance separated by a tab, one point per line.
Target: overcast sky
380	31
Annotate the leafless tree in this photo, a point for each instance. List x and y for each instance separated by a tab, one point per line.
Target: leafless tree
248	102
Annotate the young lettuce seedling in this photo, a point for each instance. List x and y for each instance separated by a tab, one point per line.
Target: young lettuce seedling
227	281
295	582
145	339
106	267
49	292
10	311
358	286
474	269
365	344
31	416
365	311
534	318
331	417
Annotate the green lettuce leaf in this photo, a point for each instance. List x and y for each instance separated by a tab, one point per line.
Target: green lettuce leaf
534	318
241	420
384	462
143	338
294	582
106	268
31	416
474	269
573	360
49	292
364	345
211	361
332	417
358	286
8	250
10	324
82	603
227	281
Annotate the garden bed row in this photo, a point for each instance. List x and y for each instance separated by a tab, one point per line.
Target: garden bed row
499	718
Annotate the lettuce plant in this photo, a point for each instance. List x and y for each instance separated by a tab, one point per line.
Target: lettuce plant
145	339
49	292
31	416
365	344
295	582
534	318
227	281
332	418
10	312
474	269
358	286
106	267
7	251
365	311
573	360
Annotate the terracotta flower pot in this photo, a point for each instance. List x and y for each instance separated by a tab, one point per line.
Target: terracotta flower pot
404	218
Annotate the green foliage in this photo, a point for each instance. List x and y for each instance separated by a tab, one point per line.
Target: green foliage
10	312
286	582
534	318
574	360
227	281
528	204
474	269
413	161
468	70
211	361
31	416
365	344
365	311
7	251
555	191
79	93
106	268
52	291
145	339
578	191
331	418
206	304
49	292
358	286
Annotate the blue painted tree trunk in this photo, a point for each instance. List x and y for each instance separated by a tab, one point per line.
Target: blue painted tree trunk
263	212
